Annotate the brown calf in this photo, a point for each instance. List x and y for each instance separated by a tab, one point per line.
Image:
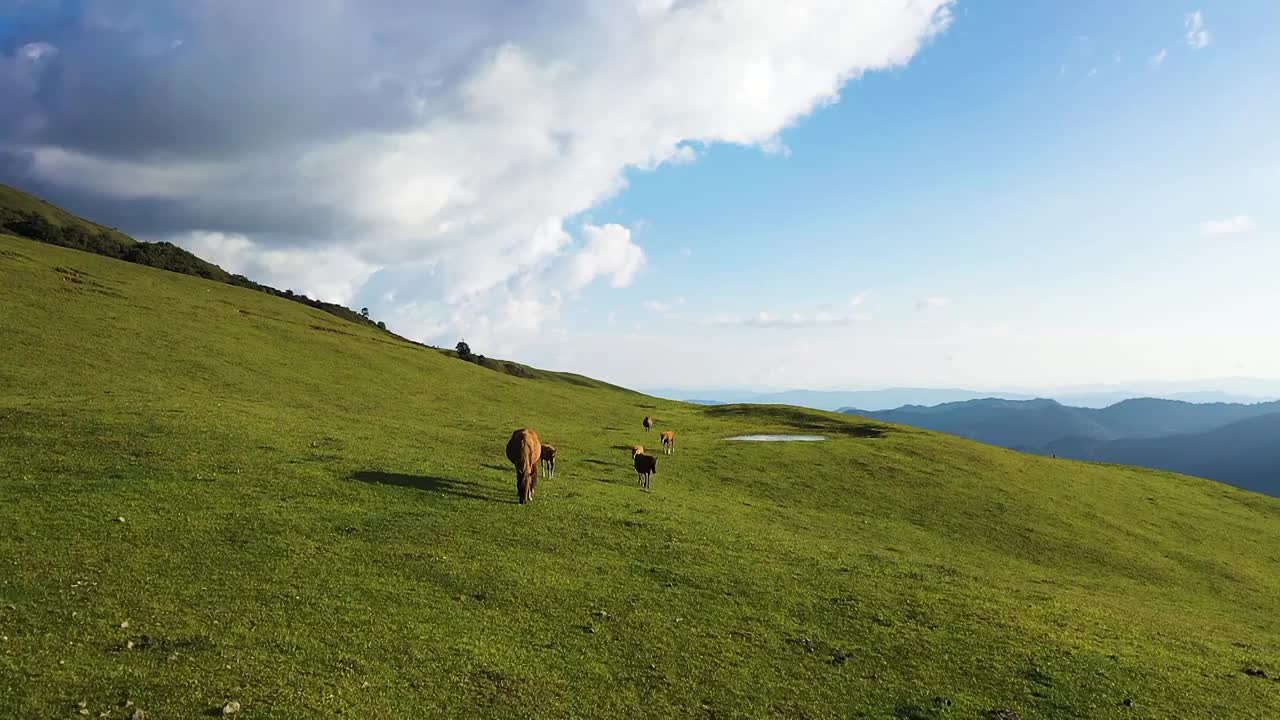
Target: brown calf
668	441
549	461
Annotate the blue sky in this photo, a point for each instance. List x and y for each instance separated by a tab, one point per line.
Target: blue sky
1004	195
1035	166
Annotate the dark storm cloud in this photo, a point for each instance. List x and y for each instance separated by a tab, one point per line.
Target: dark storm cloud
440	148
245	85
205	78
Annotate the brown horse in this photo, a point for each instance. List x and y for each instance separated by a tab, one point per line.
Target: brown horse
646	467
668	441
549	461
648	423
524	450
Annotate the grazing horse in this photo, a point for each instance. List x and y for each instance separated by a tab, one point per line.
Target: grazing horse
668	441
549	461
524	450
648	423
646	467
636	450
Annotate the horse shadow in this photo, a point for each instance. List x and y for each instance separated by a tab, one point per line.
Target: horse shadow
429	483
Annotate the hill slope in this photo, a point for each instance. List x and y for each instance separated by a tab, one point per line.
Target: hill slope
317	518
23	214
28	216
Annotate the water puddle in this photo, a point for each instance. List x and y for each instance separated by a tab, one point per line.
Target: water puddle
778	438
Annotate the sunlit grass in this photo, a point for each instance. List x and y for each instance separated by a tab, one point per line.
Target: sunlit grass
318	518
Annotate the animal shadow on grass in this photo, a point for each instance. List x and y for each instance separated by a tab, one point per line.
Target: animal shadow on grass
799	419
430	483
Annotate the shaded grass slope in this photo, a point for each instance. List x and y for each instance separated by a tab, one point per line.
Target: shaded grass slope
17	207
27	216
209	494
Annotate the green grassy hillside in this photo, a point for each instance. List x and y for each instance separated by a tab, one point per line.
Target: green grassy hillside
17	206
26	216
210	494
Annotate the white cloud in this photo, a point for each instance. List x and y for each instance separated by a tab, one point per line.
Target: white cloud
1092	72
785	320
444	152
1230	226
1158	59
685	252
683	154
775	146
329	274
860	298
932	303
610	253
35	51
1197	36
662	307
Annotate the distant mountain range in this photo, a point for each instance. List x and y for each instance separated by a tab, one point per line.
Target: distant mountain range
1234	443
1245	453
890	398
1107	398
830	399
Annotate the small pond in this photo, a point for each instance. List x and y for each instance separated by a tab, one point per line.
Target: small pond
778	438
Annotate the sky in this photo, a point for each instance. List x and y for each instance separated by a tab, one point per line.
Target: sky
698	193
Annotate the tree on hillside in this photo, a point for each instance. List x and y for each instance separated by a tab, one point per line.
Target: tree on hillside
382	325
464	350
364	313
